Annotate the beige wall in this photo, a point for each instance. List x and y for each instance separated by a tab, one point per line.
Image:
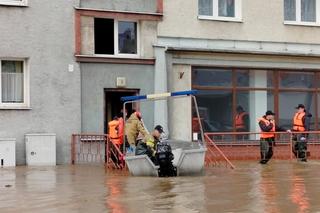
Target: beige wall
262	21
148	36
180	108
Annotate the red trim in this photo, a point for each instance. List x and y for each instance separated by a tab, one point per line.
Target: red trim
160	6
111	60
77	26
119	14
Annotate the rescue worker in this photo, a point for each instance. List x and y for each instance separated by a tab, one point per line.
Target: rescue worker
116	137
267	137
241	121
149	145
134	127
114	131
301	123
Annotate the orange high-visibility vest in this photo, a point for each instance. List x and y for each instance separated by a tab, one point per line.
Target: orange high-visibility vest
267	134
113	131
298	124
239	121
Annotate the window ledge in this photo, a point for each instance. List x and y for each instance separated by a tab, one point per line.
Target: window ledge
114	59
14	107
306	24
14	4
226	19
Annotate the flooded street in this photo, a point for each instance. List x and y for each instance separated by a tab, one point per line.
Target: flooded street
281	186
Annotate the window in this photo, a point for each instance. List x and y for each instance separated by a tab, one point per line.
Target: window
303	12
212	77
14	2
224	10
14	82
113	37
222	91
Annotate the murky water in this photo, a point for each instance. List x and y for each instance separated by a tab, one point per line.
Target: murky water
280	186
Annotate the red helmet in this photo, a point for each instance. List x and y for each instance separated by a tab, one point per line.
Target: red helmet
138	114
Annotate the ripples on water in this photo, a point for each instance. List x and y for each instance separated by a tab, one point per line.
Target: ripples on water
281	186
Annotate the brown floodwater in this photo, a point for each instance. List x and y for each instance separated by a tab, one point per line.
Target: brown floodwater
280	186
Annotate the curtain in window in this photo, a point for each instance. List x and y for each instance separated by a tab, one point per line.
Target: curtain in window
205	7
226	8
12	81
290	10
308	10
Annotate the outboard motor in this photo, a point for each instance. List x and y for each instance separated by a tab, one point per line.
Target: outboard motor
164	157
301	148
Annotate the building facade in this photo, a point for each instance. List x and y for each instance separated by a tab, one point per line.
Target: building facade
64	70
257	55
40	80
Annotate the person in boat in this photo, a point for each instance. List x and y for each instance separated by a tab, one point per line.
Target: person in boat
148	146
134	127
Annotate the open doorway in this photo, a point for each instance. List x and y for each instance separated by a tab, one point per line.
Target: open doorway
113	104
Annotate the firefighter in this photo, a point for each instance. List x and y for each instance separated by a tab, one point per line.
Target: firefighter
241	121
134	127
301	123
267	136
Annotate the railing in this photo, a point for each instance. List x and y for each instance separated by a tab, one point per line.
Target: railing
95	149
215	156
245	146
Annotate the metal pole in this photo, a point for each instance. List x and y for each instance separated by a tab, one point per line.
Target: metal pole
124	129
199	119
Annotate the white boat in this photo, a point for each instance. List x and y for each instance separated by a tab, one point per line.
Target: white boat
189	156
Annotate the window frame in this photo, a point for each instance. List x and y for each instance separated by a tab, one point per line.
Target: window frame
21	3
26	86
215	13
298	16
116	53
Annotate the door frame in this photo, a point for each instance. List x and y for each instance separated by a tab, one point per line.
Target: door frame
106	90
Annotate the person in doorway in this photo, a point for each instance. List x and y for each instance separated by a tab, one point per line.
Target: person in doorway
134	127
148	146
301	123
114	133
241	121
116	137
267	136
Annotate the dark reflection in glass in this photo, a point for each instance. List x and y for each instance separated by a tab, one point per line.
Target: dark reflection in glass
215	110
127	37
287	103
254	78
212	77
297	80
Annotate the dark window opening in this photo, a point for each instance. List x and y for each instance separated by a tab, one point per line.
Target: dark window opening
104	36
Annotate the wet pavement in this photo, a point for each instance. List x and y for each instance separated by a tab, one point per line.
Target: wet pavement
280	186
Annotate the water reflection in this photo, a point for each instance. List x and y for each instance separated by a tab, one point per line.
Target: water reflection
277	187
298	192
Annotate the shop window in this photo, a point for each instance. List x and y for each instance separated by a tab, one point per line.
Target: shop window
297	80
287	103
254	78
215	109
212	77
255	103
